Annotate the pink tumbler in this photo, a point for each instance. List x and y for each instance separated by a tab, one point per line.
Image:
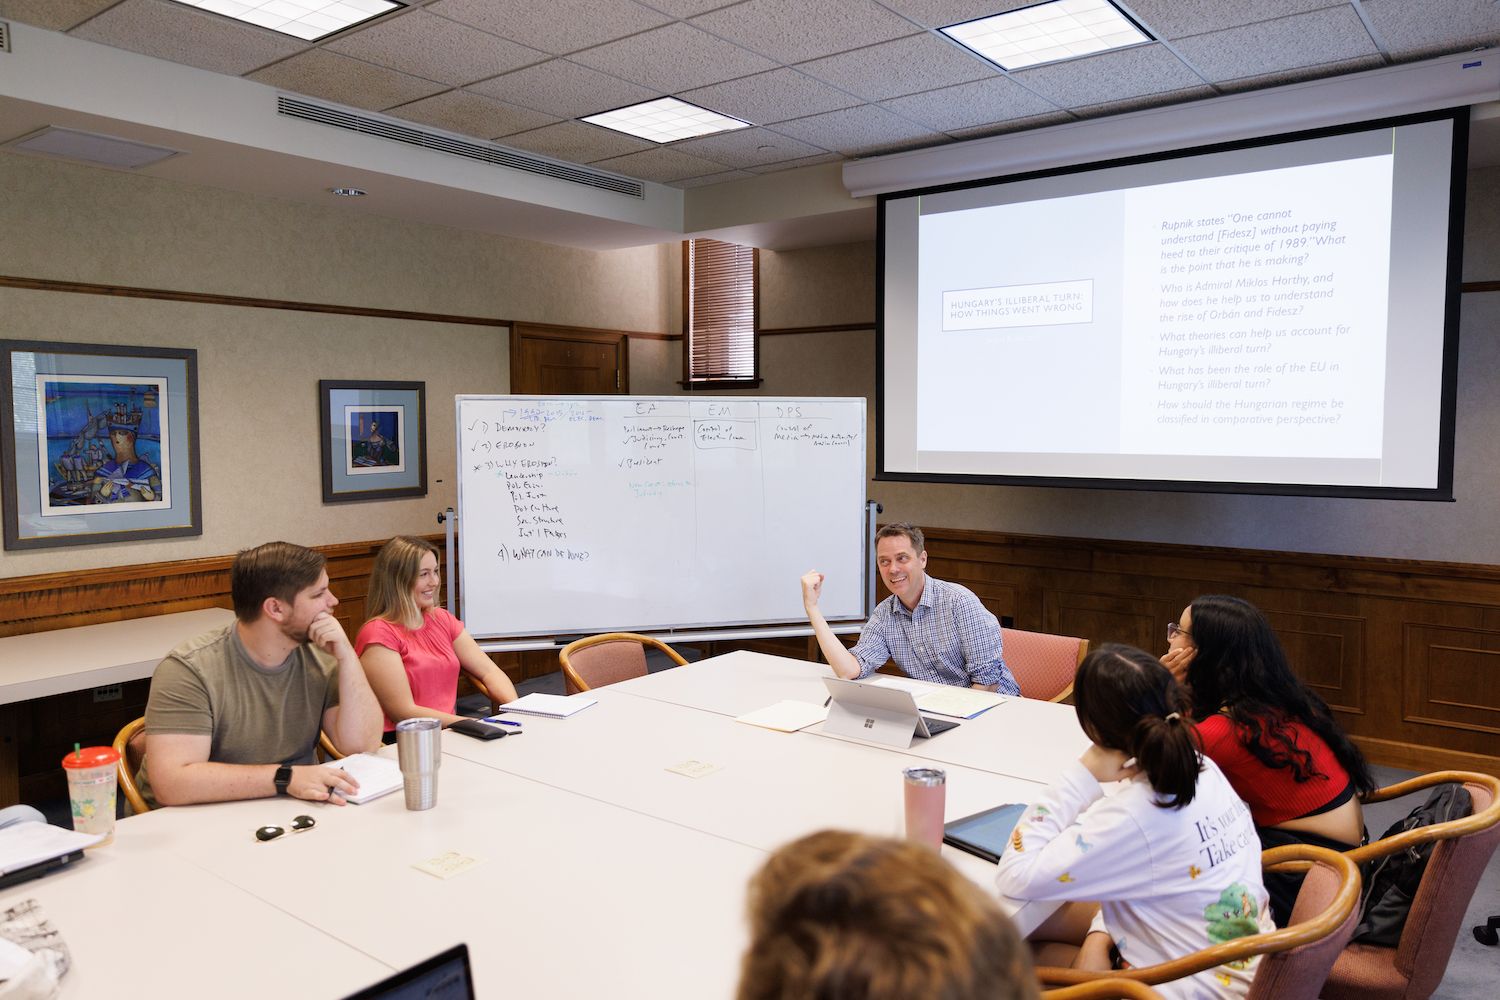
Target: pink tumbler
925	788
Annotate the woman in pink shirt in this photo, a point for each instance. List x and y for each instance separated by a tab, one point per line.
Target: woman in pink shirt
411	649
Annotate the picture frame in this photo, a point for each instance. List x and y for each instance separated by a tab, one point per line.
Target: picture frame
374	439
99	443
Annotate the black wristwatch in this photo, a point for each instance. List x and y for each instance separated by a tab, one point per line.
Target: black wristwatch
283	778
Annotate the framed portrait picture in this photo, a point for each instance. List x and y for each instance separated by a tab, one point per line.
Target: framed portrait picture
99	443
374	439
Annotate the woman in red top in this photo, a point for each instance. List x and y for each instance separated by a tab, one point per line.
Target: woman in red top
412	649
1270	734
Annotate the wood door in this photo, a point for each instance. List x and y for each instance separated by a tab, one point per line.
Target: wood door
567	361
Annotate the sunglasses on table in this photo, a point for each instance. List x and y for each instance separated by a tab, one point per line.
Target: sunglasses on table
299	824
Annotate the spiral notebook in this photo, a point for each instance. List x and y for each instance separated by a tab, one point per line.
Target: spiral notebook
548	706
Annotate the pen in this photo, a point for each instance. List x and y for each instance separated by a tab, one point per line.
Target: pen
503	722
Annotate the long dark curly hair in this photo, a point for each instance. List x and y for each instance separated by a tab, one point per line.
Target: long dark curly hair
1241	669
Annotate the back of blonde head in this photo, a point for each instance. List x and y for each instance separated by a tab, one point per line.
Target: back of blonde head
843	916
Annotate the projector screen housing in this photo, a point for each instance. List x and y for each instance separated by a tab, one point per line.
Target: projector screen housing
1277	315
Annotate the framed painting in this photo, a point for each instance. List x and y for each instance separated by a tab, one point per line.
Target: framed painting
99	443
374	439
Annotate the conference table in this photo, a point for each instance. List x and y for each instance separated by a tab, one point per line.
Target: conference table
581	865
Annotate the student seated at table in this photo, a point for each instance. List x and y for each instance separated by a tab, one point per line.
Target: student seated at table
412	649
1269	733
935	631
843	915
235	713
1170	857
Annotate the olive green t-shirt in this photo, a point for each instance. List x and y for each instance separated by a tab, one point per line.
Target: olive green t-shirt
210	686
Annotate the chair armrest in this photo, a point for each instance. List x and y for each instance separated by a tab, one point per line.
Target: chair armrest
1482	820
1103	989
1306	932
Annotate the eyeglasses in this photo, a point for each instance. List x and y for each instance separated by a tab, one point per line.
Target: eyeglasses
300	824
1174	630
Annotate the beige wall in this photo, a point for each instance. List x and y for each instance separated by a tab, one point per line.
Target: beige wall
259	368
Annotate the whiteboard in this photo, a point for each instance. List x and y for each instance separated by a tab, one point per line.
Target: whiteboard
586	514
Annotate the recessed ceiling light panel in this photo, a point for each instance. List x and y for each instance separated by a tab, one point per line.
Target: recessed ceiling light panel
1048	32
305	19
666	119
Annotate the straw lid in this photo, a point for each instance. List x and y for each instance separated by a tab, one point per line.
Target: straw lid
91	757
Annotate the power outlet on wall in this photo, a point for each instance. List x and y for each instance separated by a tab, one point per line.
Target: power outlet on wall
109	692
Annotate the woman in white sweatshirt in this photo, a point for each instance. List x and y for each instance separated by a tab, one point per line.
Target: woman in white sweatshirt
1168	859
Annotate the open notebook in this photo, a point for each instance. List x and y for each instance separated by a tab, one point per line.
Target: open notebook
548	706
377	776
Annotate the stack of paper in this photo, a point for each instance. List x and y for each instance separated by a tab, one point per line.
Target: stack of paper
945	699
550	706
786	716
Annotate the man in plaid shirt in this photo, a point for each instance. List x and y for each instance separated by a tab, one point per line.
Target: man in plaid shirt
935	631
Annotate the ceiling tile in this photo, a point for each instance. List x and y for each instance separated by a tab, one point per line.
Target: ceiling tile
970	105
435	48
719	178
556	26
687	8
941	13
857	130
578	142
332	77
905	66
673	59
1175	19
1299	75
184	35
1110	76
1014	125
1424	29
54	15
748	147
804	161
1286	43
771	97
470	114
564	89
791	31
1142	103
660	165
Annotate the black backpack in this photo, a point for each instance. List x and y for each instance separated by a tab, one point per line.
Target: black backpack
1391	882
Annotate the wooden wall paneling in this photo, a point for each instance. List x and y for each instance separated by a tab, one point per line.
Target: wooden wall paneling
1328	652
1452	678
1356	628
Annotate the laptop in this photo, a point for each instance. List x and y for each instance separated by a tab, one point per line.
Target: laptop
445	976
878	713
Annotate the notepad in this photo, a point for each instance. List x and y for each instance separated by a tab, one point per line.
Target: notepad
786	716
549	706
30	849
377	776
950	700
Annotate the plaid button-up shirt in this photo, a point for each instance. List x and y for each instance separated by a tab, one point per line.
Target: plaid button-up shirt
949	638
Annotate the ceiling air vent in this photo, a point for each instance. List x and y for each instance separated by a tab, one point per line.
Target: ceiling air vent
487	152
4	36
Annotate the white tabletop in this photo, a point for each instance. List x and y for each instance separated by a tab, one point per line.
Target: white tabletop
600	872
768	788
71	659
142	922
1023	738
571	897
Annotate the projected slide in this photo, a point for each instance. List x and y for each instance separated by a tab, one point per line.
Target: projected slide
1230	320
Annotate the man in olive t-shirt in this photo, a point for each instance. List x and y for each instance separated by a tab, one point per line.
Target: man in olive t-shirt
235	713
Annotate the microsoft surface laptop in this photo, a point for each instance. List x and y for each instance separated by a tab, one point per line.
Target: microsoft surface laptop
878	713
445	976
